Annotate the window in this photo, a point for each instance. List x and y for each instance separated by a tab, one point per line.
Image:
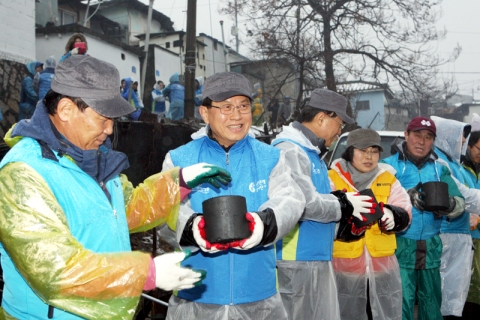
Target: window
362	105
215	45
123	56
66	17
203	56
167	45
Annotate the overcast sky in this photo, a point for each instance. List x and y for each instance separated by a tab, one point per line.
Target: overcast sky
459	17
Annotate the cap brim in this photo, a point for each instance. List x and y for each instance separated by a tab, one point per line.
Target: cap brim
225	95
344	117
114	107
424	128
367	145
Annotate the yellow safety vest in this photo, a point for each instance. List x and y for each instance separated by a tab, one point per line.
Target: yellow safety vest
379	243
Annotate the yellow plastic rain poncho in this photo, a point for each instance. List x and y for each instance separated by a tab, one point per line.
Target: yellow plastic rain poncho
56	236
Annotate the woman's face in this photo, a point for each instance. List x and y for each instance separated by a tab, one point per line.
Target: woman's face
365	160
161	85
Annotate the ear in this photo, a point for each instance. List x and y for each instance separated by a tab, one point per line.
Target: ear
204	113
65	109
405	134
319	117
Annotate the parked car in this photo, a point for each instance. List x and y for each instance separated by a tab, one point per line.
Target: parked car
387	137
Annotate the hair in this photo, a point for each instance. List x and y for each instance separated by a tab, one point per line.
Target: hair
308	113
347	155
160	81
71	41
474	136
52	99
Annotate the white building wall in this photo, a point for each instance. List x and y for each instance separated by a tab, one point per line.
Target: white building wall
54	45
17	38
166	64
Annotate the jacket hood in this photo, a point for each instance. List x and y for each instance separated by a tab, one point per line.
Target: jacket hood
200	80
101	165
50	62
449	136
31	66
290	133
174	78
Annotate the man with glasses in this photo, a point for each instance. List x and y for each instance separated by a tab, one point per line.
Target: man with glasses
241	281
419	247
305	273
66	210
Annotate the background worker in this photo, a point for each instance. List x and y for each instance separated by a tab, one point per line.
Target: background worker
368	260
419	247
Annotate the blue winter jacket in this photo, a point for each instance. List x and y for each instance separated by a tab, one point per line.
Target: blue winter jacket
425	224
231	274
309	240
28	96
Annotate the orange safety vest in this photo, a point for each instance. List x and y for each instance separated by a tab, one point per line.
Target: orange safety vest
379	243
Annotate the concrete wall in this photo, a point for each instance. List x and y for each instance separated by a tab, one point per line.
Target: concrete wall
54	45
17	38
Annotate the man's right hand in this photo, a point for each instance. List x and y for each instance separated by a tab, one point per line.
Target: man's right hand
198	229
416	197
361	205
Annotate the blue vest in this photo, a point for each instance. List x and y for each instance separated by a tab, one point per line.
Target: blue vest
159	106
460	224
424	224
309	240
233	276
98	224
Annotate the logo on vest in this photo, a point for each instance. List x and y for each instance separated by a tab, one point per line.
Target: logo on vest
315	170
259	185
201	190
385	184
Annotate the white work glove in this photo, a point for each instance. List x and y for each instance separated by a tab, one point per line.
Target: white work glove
170	276
387	220
256	226
361	205
199	173
74	51
199	96
198	230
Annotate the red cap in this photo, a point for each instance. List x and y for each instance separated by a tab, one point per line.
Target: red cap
422	123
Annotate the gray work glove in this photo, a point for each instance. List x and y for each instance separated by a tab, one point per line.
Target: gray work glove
456	207
416	196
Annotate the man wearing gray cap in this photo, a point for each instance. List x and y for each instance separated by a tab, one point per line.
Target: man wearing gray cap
66	212
305	273
241	282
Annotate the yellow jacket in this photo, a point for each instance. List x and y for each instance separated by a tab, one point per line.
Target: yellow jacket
379	243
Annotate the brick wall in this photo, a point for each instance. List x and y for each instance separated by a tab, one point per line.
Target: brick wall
11	76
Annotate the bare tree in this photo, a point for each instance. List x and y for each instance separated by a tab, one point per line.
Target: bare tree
388	41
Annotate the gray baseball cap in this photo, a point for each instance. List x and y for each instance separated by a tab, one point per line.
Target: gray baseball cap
224	85
364	138
331	101
95	82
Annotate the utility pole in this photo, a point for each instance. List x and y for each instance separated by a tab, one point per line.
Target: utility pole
147	40
190	56
236	27
225	52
